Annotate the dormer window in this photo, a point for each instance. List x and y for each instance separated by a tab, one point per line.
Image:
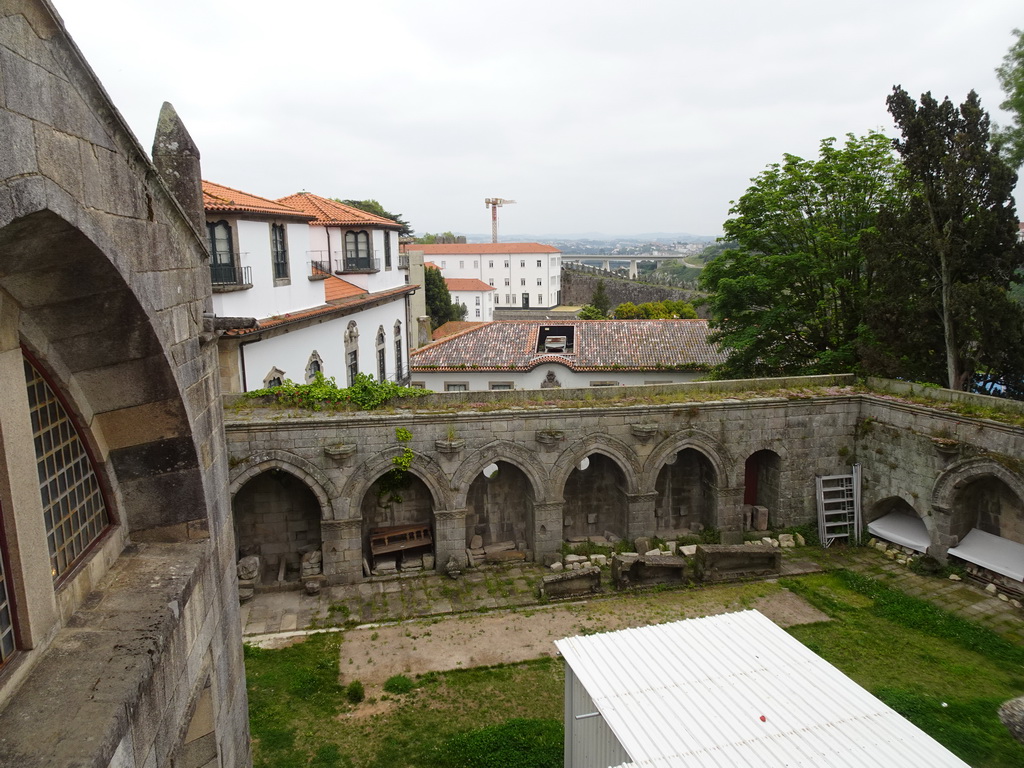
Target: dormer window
313	367
556	340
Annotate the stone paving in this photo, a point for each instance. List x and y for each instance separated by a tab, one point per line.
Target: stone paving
425	594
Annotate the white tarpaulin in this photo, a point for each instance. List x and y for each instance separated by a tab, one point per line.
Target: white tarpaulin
993	552
903	529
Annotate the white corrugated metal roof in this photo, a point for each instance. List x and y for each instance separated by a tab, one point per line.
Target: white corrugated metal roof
693	693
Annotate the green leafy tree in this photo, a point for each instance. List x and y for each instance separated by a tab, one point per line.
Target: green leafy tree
590	312
944	261
1010	138
655	310
788	297
372	206
599	300
440	306
431	239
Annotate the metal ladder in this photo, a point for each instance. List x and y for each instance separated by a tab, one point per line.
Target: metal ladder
839	517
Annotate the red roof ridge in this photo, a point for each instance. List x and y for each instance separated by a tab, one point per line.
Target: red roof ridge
215	199
327	212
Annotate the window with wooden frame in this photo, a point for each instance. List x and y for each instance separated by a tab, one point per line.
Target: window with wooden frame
279	253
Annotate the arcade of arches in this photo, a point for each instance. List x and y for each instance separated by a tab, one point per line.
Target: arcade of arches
509	484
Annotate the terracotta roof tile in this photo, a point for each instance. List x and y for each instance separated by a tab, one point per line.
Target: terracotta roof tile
336	289
330	213
639	345
220	199
325	310
467	284
491	248
452	327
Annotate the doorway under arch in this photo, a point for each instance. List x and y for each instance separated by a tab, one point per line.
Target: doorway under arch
990	505
762	481
499	507
687	495
276	516
595	499
398	526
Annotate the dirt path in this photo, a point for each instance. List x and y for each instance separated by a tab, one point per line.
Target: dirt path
373	654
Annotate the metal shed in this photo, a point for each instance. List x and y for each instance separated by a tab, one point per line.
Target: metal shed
731	690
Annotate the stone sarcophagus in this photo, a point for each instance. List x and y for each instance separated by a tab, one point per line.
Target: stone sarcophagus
728	562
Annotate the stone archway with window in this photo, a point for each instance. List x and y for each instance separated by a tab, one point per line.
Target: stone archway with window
314	366
351	341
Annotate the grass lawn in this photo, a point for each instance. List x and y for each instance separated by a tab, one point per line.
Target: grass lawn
913	656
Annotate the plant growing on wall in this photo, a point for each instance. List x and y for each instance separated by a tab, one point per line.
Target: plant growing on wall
366	393
396	479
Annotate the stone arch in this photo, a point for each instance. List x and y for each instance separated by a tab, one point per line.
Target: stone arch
500	450
68	295
425	468
996	508
901	532
964	472
712	450
616	450
313	477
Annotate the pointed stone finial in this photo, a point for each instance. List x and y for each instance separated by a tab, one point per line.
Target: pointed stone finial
176	158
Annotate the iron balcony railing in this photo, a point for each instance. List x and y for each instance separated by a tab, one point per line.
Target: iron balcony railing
319	270
403	261
230	275
281	269
357	262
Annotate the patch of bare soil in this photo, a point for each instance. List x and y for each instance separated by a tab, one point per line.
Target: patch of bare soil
373	654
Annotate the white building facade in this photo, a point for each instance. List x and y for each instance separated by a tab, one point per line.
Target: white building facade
271	260
475	295
523	275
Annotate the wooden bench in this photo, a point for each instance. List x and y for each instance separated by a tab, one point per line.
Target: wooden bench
400	538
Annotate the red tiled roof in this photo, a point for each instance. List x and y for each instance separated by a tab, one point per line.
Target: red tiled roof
220	199
637	345
452	327
336	289
467	284
431	265
491	248
330	213
324	311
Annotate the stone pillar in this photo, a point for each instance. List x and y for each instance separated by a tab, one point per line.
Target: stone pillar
729	509
633	272
640	514
176	158
942	539
449	536
342	543
606	264
547	530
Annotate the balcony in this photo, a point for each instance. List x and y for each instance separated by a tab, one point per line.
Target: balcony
356	262
403	261
319	270
228	277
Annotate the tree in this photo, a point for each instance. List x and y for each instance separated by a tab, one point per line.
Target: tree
590	312
945	260
1010	139
655	310
599	300
430	239
788	297
372	206
440	306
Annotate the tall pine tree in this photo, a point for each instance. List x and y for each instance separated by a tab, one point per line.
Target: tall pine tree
942	260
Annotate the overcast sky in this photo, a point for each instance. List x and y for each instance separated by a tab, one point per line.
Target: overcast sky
595	116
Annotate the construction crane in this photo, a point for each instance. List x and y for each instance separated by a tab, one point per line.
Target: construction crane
494	203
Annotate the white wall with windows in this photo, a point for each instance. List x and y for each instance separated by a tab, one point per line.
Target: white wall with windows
364	256
519	279
479	304
476	381
329	345
259	279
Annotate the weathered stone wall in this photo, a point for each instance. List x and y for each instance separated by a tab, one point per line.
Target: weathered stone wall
659	469
104	282
578	288
628	447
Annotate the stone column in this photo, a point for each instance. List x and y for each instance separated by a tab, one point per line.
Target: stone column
342	543
449	536
547	530
728	510
640	514
943	539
